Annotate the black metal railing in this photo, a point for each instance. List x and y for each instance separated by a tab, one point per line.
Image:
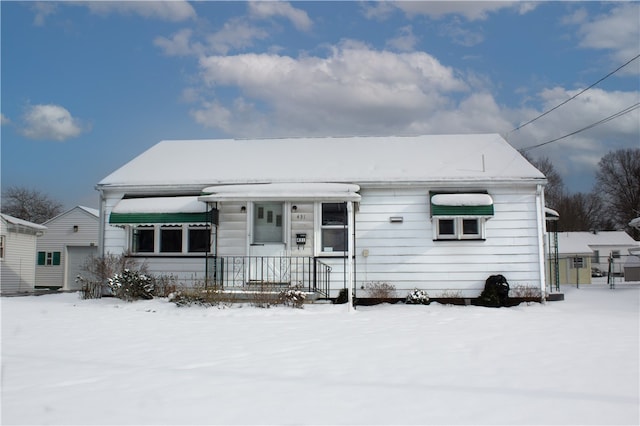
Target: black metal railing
308	273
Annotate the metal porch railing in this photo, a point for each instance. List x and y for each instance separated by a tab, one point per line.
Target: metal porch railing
308	273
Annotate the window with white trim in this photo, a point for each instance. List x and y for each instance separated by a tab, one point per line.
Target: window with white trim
333	228
171	239
459	228
48	258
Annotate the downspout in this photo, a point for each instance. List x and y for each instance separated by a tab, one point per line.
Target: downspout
540	232
101	227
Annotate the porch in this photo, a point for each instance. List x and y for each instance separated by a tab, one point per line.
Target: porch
255	273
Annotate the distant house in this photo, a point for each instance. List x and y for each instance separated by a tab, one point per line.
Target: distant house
439	212
18	254
601	250
632	266
71	239
575	255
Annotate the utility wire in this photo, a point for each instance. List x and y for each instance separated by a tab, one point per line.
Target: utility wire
590	126
577	94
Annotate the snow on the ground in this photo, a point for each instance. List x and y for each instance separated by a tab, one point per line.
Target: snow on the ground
71	361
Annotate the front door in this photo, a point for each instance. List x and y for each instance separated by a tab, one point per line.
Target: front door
267	250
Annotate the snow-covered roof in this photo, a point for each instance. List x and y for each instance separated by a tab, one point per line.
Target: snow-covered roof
94	212
360	160
586	242
89	210
22	223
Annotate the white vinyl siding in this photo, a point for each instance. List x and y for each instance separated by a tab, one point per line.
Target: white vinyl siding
17	268
405	255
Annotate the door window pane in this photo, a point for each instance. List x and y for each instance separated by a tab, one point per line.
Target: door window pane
267	223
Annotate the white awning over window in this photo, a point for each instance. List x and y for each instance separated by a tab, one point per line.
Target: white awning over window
282	192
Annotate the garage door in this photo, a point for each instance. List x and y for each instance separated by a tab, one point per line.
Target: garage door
76	258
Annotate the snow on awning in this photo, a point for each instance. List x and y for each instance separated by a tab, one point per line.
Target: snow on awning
461	204
551	214
167	210
282	192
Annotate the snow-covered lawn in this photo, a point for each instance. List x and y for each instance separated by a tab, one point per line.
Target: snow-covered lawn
69	361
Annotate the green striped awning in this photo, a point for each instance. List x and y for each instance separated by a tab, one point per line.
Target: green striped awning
164	210
461	204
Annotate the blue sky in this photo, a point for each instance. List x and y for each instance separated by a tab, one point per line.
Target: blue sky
87	86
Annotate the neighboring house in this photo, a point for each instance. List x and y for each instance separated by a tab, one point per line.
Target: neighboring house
632	266
71	239
608	251
440	212
18	254
574	265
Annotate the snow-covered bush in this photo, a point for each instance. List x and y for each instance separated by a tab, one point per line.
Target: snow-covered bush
417	297
131	285
293	297
98	270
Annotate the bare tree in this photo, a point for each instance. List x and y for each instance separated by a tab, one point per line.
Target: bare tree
29	204
555	190
582	212
618	184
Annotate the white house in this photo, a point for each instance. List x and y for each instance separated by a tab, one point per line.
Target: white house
71	239
18	254
439	212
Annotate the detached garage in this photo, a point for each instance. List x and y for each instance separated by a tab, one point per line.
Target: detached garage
71	241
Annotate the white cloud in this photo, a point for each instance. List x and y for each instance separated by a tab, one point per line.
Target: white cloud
52	122
42	10
352	90
405	41
617	31
471	10
460	34
4	120
173	11
235	34
268	9
179	44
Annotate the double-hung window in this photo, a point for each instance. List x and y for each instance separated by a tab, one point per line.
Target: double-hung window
333	228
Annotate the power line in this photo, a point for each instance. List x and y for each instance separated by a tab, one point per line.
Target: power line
590	126
578	94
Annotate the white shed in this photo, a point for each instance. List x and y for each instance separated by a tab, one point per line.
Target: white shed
437	212
71	239
18	254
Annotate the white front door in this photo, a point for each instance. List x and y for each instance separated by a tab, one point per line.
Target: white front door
267	248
